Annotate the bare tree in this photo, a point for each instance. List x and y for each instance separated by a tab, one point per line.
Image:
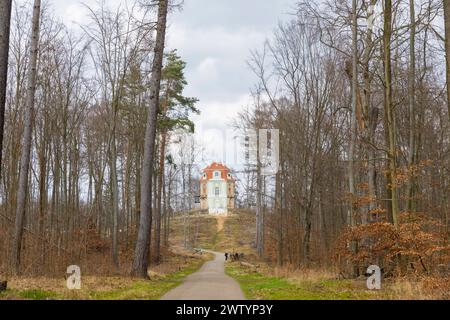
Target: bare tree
447	49
117	44
141	257
412	102
390	124
27	135
352	142
5	21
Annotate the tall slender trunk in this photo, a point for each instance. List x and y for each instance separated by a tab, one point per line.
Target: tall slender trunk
42	196
351	160
27	135
447	58
167	205
5	22
412	104
447	49
160	186
259	211
164	209
115	194
389	114
140	262
279	209
371	116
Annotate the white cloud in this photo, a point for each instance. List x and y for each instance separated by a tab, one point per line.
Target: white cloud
215	131
216	59
207	70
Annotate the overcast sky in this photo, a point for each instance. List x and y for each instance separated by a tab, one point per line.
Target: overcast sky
214	37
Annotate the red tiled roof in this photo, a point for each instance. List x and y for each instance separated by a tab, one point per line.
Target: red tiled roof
216	167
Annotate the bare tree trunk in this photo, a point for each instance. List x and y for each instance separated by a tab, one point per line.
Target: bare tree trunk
5	22
164	209
279	210
351	160
259	211
26	145
115	192
447	49
412	104
140	262
167	205
371	116
389	114
159	196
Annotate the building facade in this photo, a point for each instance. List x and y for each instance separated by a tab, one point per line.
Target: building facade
217	189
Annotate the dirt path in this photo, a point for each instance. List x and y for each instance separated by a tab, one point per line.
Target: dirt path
209	283
220	223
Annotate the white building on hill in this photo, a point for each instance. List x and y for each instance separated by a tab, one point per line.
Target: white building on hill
217	189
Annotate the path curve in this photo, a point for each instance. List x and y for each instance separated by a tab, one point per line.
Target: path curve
209	283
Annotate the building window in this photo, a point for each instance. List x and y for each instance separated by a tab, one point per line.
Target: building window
217	191
216	174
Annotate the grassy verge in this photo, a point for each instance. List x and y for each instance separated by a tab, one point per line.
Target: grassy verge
103	288
258	286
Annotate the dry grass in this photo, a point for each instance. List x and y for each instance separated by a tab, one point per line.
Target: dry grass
305	283
237	234
58	285
302	274
200	230
220	223
163	278
404	289
286	283
412	288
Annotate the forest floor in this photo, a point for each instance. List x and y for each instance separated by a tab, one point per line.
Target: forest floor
262	281
263	284
258	279
163	279
177	263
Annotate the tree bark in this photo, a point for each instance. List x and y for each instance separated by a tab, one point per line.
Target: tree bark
351	160
447	49
115	194
5	22
159	197
389	114
27	135
412	104
259	211
140	263
371	116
